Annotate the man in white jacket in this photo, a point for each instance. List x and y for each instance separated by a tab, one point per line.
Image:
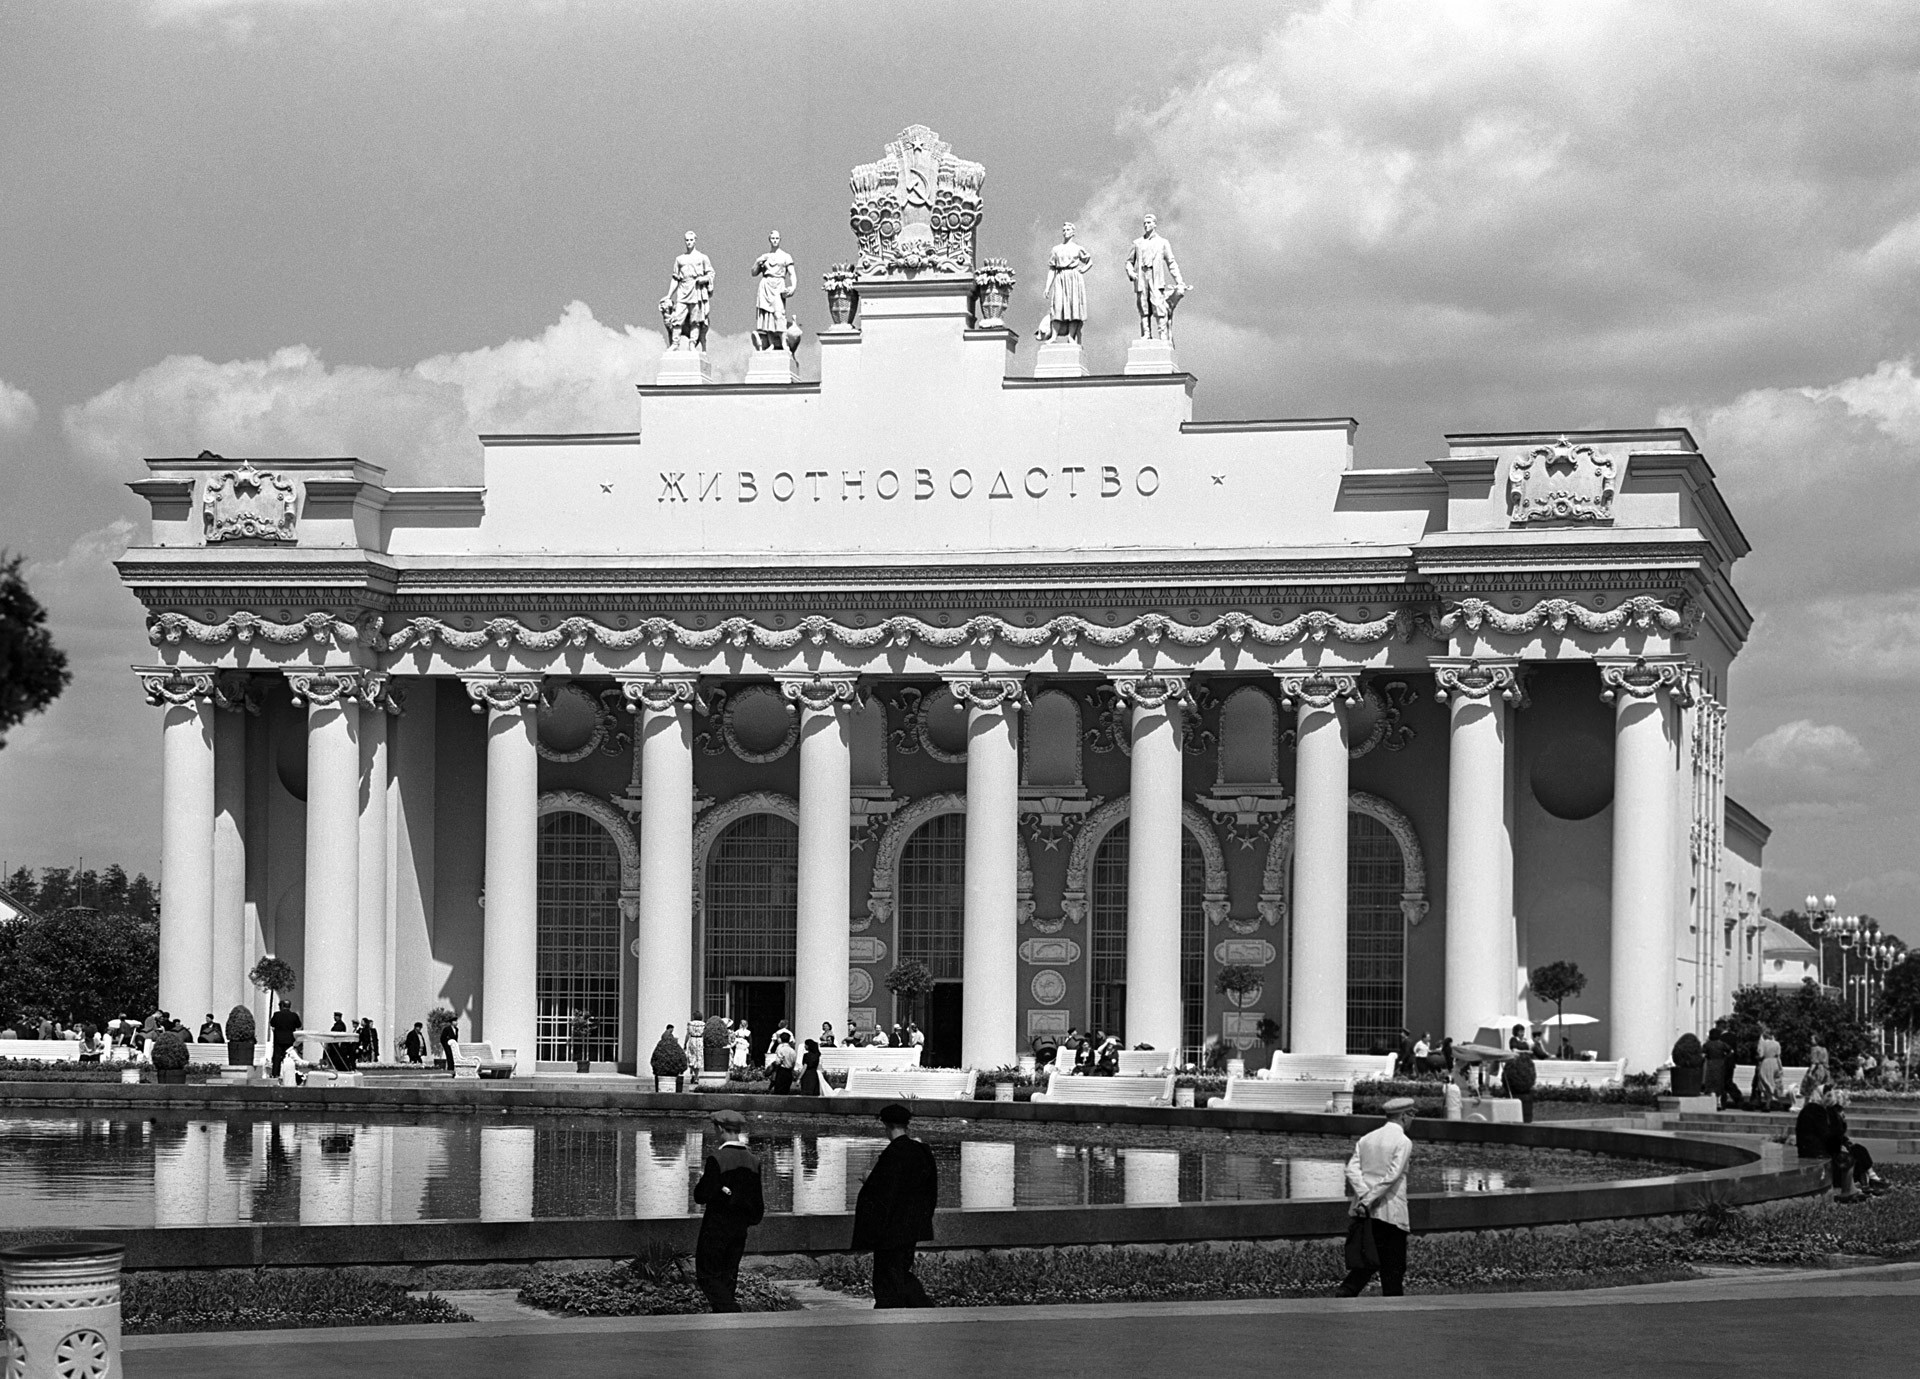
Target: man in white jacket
1377	1176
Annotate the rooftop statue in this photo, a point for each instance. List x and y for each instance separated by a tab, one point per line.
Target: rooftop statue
1157	284
683	311
916	209
777	279
1066	289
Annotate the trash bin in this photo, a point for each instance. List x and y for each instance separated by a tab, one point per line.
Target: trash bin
63	1310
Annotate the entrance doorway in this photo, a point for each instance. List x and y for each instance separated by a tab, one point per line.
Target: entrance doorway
943	1026
763	1005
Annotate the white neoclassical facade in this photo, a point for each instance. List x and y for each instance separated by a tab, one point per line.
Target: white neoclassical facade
1034	679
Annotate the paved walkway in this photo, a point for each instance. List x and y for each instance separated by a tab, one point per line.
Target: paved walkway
1859	1324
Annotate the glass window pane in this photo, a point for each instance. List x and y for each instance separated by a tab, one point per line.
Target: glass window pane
751	905
577	956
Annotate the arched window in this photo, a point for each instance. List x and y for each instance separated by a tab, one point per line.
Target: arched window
933	894
1107	938
751	905
577	945
1376	936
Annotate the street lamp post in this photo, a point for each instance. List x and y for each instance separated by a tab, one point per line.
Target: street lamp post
1821	913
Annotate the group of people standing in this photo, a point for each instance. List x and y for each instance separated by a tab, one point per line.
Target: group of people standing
1084	1055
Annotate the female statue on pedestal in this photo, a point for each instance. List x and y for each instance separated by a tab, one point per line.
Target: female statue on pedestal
777	280
1066	289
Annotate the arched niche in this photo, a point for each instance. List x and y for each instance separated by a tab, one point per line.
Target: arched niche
711	824
1249	748
1413	898
1051	758
616	825
1086	842
886	857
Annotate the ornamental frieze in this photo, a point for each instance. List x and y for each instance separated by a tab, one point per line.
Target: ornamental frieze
916	208
1562	482
247	504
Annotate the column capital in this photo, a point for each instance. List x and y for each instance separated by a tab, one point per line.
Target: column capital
1477	680
1639	678
820	693
176	686
238	692
327	685
658	693
1319	688
1151	691
381	692
997	691
502	692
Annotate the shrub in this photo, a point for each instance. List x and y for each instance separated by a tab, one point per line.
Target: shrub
911	980
1687	1052
273	975
438	1019
669	1059
169	1051
1237	979
252	1299
655	1284
240	1026
716	1035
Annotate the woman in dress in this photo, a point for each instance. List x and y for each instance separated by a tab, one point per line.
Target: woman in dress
810	1070
1066	289
1766	1074
781	1062
742	1041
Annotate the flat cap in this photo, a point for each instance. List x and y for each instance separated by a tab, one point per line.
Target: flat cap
895	1114
729	1120
1399	1104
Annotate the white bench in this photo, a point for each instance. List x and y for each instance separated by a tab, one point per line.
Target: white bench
1109	1091
1341	1067
1144	1062
1493	1111
477	1060
48	1050
1579	1072
844	1058
1790	1078
954	1084
1324	1095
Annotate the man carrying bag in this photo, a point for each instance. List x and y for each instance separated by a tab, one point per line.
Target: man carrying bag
1378	1222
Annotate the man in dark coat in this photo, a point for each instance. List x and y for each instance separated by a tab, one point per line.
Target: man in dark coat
729	1188
1716	1078
283	1023
416	1044
894	1212
1522	1077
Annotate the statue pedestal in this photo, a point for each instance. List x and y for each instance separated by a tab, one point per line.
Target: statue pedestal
1060	359
772	366
1150	356
682	367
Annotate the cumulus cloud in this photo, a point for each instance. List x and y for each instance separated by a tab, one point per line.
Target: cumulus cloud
1804	745
1532	214
17	411
419	422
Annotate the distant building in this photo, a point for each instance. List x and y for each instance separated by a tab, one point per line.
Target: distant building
1742	926
1788	958
11	908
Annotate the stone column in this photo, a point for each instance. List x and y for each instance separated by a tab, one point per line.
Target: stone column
1153	860
1479	974
186	835
822	955
509	937
990	999
376	1000
663	946
1318	1001
238	695
1640	1007
330	973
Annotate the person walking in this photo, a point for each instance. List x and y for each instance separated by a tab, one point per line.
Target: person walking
810	1070
1377	1177
730	1190
416	1043
283	1023
894	1211
1766	1072
1522	1077
782	1062
449	1036
1716	1075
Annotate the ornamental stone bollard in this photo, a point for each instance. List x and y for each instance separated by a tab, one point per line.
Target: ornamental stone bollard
63	1310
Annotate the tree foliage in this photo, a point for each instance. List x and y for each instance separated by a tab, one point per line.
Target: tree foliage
80	966
33	670
1558	982
1796	1017
59	888
1898	1004
273	975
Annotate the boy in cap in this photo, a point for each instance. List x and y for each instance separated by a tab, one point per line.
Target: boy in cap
894	1212
1377	1175
729	1188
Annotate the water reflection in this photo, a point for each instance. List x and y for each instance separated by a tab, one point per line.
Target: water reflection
98	1169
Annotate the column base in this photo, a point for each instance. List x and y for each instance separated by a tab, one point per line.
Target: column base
772	366
684	368
1060	359
1150	356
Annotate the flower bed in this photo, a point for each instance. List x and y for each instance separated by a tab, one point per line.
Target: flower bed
71	1070
639	1288
250	1299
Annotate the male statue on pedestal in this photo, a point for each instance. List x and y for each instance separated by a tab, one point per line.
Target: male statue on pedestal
683	311
1157	284
1066	289
778	279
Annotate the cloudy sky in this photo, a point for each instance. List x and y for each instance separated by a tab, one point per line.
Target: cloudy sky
295	226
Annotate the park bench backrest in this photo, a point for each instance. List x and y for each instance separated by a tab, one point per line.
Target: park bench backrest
1112	1091
1354	1066
1325	1095
950	1083
1579	1072
1144	1062
844	1058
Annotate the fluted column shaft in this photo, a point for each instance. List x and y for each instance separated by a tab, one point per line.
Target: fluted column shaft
1153	861
228	977
1319	995
823	953
663	709
374	998
329	979
186	837
1479	970
509	936
1640	1003
990	999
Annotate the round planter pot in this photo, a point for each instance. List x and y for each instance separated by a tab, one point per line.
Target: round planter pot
1183	1096
130	1076
1003	1091
170	1077
240	1053
666	1084
62	1309
580	1065
1236	1067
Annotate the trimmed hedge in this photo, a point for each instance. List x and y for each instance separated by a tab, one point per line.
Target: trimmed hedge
624	1290
71	1070
252	1299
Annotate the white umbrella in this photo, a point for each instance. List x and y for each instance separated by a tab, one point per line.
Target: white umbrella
1571	1018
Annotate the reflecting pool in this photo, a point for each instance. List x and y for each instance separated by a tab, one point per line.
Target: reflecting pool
102	1168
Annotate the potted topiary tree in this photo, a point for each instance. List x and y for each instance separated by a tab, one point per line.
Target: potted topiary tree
240	1037
1688	1061
910	981
581	1026
169	1057
275	976
669	1062
716	1043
